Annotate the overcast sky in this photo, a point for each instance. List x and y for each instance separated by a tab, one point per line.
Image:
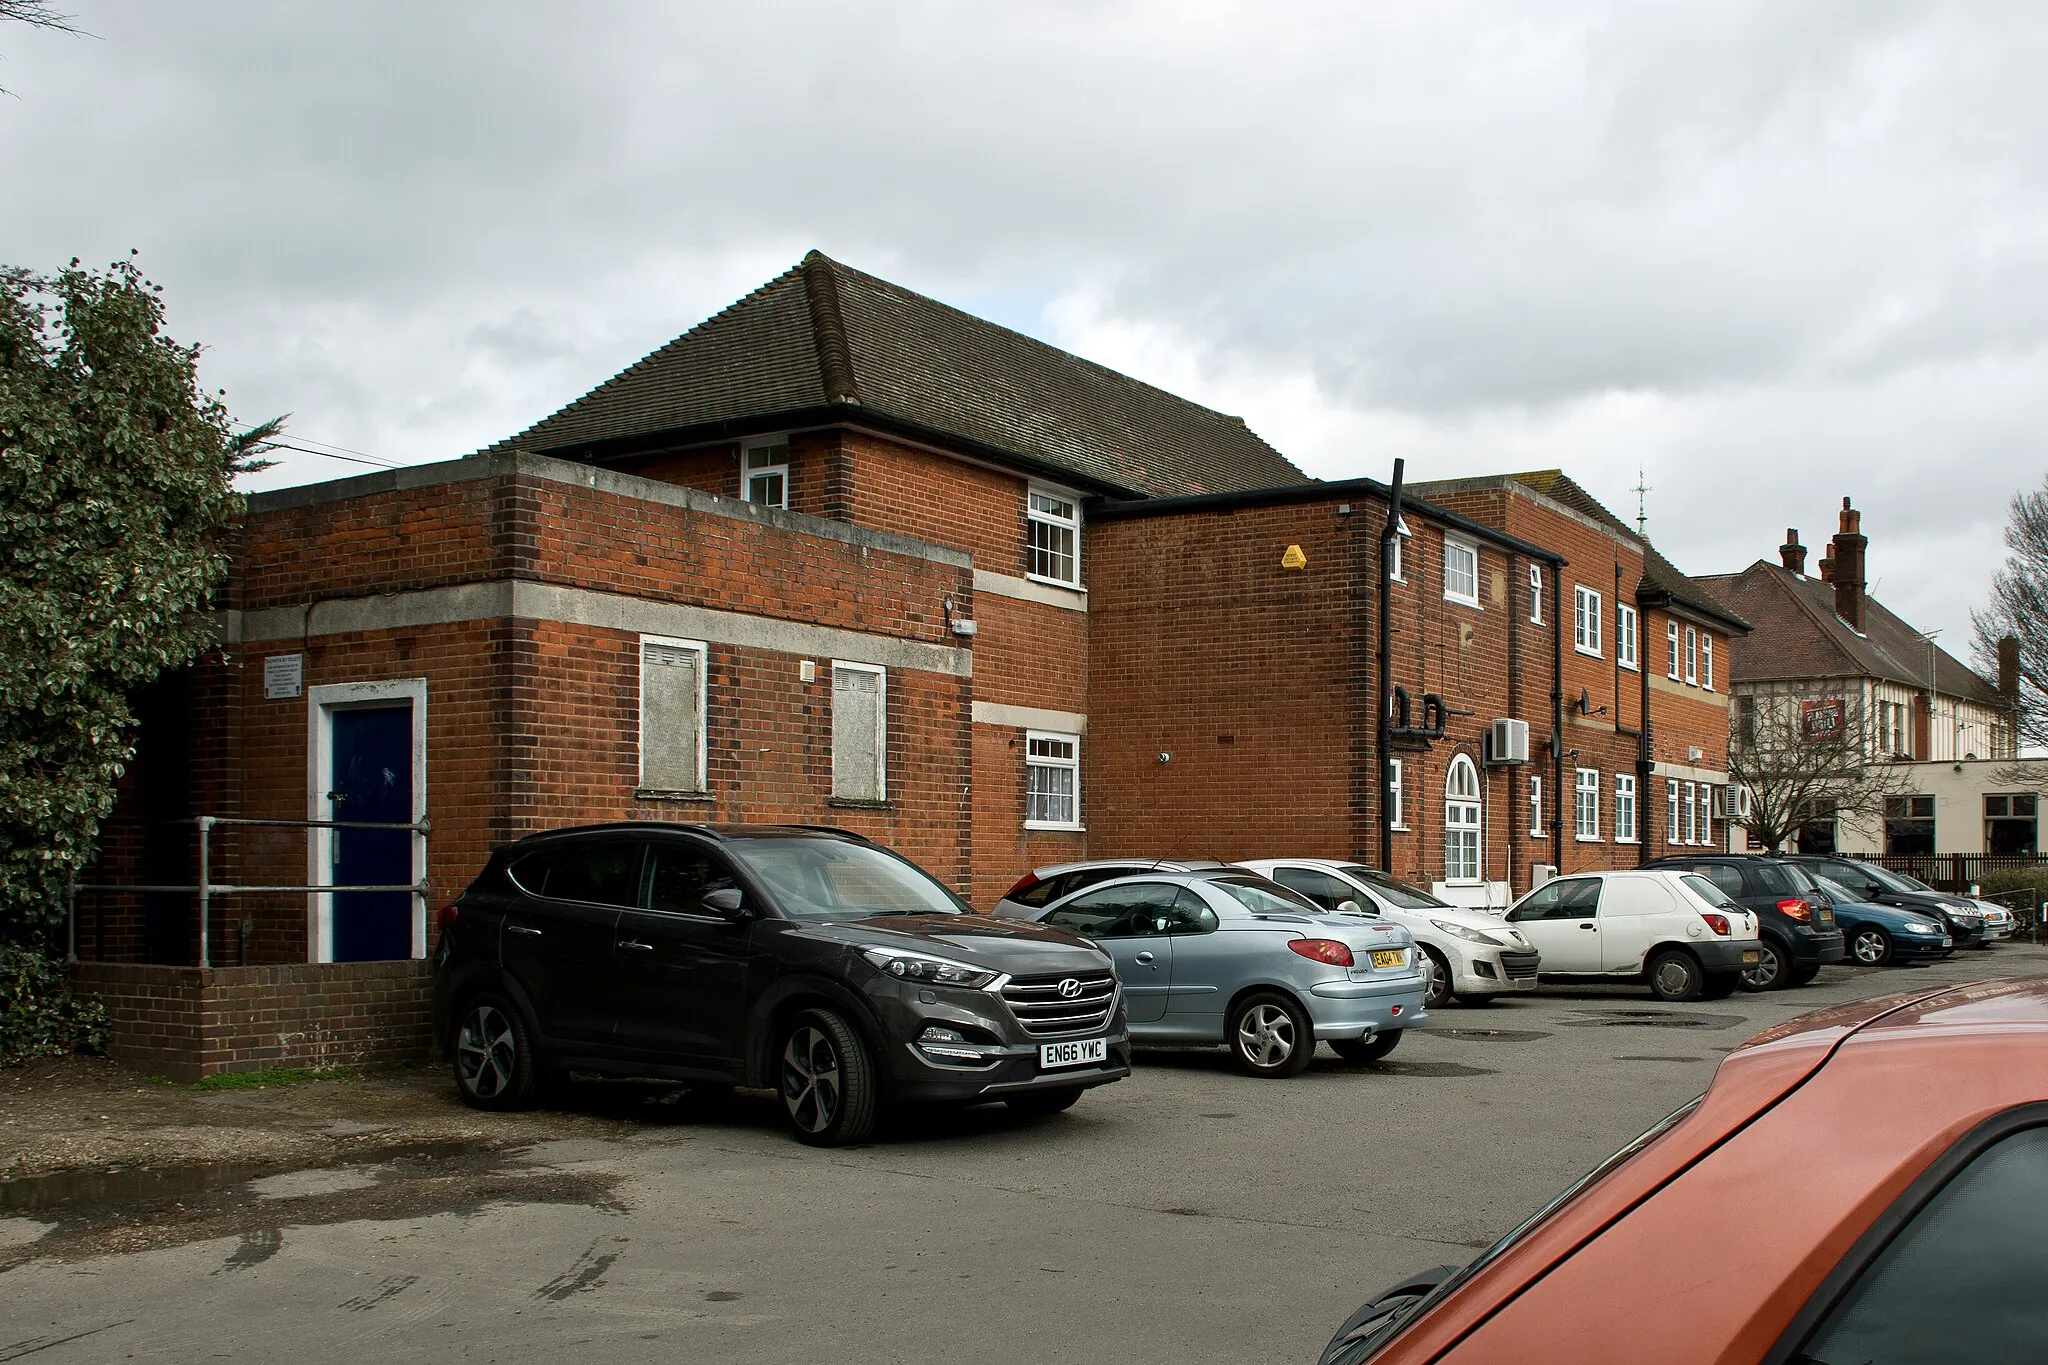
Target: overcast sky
1771	254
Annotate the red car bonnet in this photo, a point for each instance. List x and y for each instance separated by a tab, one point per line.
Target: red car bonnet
1748	1082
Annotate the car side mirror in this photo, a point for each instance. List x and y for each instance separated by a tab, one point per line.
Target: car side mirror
727	902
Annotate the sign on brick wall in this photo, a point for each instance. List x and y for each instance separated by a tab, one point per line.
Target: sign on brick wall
282	676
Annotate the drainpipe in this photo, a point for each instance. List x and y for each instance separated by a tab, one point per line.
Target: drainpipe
1514	826
1557	721
1645	758
1383	759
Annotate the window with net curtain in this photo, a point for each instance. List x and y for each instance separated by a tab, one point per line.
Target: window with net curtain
1052	780
1461	821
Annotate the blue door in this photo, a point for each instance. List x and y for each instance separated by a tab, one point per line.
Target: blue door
372	781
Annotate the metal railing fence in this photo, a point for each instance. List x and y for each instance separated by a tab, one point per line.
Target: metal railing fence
206	889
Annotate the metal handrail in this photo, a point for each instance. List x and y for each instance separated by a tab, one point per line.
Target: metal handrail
206	888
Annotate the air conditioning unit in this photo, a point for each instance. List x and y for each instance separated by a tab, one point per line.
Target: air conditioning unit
1508	742
1731	803
1541	873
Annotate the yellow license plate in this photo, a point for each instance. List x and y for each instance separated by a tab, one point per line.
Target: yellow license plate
1750	959
1389	957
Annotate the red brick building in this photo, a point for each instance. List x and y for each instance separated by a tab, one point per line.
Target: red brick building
840	555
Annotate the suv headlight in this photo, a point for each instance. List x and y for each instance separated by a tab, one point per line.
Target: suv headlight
1469	935
928	970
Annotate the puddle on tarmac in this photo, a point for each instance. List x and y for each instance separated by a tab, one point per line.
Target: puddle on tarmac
62	1191
68	1215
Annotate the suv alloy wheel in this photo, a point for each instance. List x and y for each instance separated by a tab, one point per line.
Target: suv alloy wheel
1771	972
493	1055
827	1080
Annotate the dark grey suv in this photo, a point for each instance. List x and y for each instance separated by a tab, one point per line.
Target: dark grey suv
805	959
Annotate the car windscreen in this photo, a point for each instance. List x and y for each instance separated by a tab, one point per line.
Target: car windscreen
1837	891
1376	1332
1400	895
827	879
1262	897
1895	881
1710	893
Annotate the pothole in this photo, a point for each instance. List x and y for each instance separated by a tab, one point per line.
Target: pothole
1487	1035
1651	1019
1657	1057
1433	1069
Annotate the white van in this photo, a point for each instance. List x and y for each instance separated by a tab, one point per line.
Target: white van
1676	931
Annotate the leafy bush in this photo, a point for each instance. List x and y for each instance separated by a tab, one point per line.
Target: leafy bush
39	1015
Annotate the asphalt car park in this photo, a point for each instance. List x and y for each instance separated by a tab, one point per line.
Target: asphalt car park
1188	1213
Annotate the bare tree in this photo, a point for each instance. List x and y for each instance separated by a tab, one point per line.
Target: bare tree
2019	608
36	14
1801	758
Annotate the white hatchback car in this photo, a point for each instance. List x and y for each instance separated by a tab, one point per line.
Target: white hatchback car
1471	954
1674	930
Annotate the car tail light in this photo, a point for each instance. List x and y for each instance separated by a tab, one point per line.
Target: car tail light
1322	950
1798	910
1718	923
1030	880
445	917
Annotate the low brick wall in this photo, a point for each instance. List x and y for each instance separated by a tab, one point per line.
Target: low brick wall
189	1022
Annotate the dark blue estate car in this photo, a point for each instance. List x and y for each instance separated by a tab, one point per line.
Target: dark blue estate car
1880	935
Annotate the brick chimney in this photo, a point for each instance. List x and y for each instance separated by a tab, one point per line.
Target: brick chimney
1827	564
1792	554
2009	669
1850	543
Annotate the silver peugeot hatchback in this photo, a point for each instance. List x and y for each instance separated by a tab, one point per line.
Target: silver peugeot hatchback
1225	956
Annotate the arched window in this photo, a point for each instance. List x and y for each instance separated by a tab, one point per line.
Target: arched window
1461	821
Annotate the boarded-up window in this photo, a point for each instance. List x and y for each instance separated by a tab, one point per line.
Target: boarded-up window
857	733
671	717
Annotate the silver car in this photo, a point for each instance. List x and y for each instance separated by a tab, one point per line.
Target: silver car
1225	956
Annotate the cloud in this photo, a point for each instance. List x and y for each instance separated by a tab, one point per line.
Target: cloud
1772	254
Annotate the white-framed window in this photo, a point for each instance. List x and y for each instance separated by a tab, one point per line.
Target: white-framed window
1692	656
1625	635
1685	813
1053	538
1707	662
1536	594
1624	808
1461	821
764	472
1052	780
1536	807
1461	571
1586	621
672	681
1704	807
1674	833
1397	805
1587	824
860	732
1397	552
1671	633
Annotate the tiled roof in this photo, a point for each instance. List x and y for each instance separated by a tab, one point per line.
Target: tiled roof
1662	578
823	334
1798	635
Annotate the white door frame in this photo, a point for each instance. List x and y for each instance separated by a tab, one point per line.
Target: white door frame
321	704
